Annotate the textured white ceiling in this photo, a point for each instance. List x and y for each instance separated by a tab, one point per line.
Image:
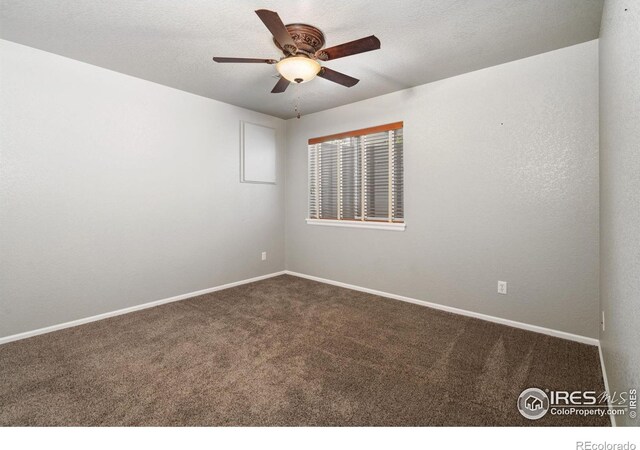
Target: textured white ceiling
172	41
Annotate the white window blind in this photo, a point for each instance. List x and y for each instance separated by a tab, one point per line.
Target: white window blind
358	176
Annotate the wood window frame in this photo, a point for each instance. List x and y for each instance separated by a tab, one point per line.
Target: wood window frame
355	133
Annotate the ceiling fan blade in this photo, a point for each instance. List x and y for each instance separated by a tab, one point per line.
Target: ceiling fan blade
280	86
349	48
220	59
272	21
337	77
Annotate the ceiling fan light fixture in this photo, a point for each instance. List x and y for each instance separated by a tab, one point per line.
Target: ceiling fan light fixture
298	69
303	45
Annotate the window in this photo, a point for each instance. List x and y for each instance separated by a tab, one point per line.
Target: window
356	178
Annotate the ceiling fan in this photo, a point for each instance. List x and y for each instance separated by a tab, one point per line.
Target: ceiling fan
302	45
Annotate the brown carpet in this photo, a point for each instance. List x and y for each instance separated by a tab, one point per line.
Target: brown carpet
288	351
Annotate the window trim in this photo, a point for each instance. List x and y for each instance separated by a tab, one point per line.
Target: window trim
395	225
371	224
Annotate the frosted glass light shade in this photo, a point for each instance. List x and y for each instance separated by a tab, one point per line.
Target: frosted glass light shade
298	69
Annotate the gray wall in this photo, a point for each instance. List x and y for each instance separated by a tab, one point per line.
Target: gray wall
620	194
115	191
501	183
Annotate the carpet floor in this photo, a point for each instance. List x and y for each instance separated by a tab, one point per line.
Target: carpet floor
288	351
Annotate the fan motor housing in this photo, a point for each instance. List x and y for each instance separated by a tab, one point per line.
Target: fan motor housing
308	38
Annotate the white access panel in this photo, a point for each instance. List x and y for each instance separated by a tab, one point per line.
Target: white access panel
258	153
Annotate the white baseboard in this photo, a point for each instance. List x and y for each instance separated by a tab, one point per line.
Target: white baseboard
606	383
511	323
463	312
74	323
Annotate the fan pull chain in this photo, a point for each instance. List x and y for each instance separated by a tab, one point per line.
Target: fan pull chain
296	107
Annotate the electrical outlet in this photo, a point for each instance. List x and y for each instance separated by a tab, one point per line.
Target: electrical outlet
264	256
502	287
602	320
